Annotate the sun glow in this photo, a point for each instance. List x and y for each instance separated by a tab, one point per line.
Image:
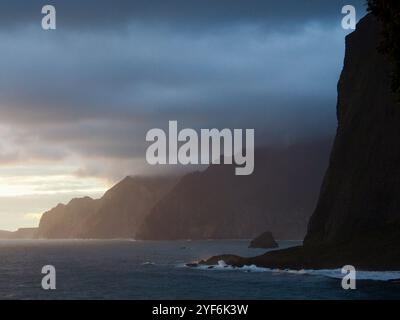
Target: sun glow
47	185
27	191
16	181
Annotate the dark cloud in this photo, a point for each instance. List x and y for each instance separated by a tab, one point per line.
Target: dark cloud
115	69
193	15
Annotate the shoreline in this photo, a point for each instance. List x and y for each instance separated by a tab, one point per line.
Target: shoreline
363	258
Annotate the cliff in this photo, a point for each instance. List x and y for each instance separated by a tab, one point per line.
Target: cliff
124	207
211	204
360	197
357	219
279	196
117	214
67	221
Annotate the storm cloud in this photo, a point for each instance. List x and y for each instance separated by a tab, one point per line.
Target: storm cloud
201	15
113	70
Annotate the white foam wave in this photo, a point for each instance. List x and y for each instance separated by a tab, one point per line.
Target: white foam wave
330	273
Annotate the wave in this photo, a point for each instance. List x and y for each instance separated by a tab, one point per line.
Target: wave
223	266
330	273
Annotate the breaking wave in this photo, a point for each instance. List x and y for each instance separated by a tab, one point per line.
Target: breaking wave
330	273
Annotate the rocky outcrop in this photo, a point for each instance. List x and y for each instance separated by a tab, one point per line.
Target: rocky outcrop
357	219
118	214
216	204
264	241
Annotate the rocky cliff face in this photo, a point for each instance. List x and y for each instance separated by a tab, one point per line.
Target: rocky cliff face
357	219
124	207
279	196
117	214
67	221
360	197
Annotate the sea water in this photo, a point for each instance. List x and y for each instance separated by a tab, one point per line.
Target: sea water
157	270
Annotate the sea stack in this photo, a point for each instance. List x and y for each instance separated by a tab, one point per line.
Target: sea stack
264	241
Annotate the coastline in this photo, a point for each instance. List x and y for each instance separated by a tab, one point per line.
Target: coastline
368	257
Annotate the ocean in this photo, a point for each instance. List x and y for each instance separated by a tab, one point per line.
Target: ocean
156	270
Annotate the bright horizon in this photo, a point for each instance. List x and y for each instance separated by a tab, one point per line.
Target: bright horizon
25	195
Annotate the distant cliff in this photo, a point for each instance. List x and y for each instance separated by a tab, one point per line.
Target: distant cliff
279	196
22	233
67	221
357	219
211	204
124	207
118	214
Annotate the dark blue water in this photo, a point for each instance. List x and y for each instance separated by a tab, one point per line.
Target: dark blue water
155	270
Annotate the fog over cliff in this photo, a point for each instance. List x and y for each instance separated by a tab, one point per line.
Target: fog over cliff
76	103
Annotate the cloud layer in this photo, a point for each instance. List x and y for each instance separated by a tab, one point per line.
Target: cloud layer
85	95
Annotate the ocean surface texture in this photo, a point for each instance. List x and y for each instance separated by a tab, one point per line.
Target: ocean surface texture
156	270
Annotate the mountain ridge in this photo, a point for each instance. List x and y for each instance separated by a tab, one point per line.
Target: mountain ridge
216	204
117	214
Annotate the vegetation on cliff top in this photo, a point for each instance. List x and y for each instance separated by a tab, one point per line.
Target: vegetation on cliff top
388	12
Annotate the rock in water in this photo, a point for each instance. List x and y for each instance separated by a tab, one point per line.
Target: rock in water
264	241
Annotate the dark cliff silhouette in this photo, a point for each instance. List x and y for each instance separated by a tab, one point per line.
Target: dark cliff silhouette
357	219
360	195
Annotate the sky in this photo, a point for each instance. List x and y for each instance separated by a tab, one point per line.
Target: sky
76	102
